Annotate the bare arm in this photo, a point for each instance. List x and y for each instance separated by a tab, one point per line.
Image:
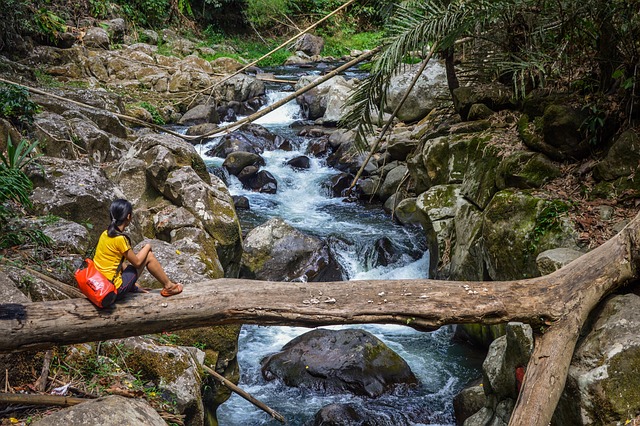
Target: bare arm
140	259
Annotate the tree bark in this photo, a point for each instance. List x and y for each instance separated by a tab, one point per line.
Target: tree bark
562	301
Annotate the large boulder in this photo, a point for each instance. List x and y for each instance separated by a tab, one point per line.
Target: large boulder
200	114
175	371
425	95
240	88
622	159
336	99
53	134
561	130
602	385
517	227
526	170
331	361
314	102
73	190
96	37
236	161
494	95
249	138
275	251
310	44
347	414
110	410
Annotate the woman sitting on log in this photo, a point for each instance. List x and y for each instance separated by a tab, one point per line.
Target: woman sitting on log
114	246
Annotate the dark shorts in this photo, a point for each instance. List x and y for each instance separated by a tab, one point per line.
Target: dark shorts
129	278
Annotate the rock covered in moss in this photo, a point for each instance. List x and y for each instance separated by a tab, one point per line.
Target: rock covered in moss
495	96
339	360
602	385
517	227
623	158
526	170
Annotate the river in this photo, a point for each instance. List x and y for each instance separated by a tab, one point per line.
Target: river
304	201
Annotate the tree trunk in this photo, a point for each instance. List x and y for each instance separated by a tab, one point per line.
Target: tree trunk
561	300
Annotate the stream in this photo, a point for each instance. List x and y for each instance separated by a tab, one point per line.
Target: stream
304	201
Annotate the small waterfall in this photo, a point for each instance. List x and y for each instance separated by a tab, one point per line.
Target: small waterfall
304	201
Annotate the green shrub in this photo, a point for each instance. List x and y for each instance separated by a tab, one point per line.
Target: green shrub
15	104
155	114
19	156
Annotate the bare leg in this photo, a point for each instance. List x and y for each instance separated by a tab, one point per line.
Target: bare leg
155	269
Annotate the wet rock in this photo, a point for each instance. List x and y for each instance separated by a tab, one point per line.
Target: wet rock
340	183
384	252
264	182
238	160
241	202
337	361
249	138
355	415
275	251
318	147
468	402
301	162
110	410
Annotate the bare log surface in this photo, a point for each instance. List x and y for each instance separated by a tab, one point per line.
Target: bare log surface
562	301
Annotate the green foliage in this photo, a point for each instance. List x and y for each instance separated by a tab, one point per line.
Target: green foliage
49	24
264	13
157	117
14	186
19	237
19	156
549	220
15	104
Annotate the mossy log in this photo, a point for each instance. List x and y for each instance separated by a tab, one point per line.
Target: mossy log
560	303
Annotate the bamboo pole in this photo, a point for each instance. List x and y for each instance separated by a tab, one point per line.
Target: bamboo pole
35	399
245	395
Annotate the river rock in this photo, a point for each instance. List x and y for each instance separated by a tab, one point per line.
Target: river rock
200	114
275	251
400	146
110	410
201	129
551	260
331	361
238	160
239	88
225	65
310	44
337	97
241	202
622	158
340	183
301	162
249	138
383	253
263	182
391	182
602	385
424	96
466	256
356	415
479	182
314	102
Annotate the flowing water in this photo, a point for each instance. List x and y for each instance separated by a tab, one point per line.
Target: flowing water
303	200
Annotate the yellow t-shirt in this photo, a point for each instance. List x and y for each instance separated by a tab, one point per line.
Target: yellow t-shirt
108	254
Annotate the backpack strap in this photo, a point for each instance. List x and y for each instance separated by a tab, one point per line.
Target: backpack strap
117	270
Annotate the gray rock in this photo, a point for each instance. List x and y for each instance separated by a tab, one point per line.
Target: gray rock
622	159
526	170
54	135
275	251
337	361
200	114
468	402
336	100
391	182
67	236
240	88
249	138
116	28
238	160
110	410
551	260
201	129
96	37
495	96
314	101
310	44
73	190
89	136
602	385
561	130
466	257
9	293
431	85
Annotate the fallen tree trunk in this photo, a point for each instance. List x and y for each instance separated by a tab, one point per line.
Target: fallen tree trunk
562	301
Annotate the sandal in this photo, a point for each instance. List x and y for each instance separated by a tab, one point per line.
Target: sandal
172	291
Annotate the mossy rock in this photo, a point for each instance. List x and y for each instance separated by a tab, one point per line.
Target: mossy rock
619	189
495	96
479	183
517	227
623	158
526	170
466	256
561	130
